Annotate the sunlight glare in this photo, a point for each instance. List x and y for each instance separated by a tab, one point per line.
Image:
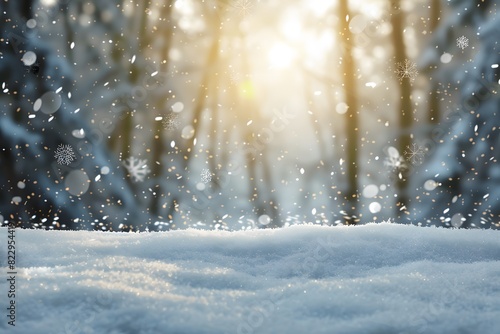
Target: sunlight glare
292	27
184	7
317	46
281	56
320	7
371	9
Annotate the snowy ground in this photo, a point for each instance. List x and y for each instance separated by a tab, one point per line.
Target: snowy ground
381	278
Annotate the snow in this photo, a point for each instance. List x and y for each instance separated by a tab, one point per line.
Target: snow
376	278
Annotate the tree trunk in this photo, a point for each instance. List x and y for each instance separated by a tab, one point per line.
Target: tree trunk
159	148
434	108
405	107
352	123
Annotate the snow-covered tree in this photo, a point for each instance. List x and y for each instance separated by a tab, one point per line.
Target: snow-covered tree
459	185
56	172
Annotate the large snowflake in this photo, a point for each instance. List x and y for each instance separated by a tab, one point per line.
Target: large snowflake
206	175
64	154
137	168
170	121
407	69
462	42
395	163
415	154
243	7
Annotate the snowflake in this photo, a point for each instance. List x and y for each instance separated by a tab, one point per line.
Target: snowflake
170	121
415	154
137	168
243	7
407	69
206	175
64	154
396	167
462	42
394	161
488	218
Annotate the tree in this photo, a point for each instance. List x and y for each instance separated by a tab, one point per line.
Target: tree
434	106
405	106
37	122
458	185
352	123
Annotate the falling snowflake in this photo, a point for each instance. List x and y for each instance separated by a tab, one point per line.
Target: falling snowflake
396	167
243	7
462	42
137	168
64	154
394	161
407	69
170	121
415	154
488	218
206	175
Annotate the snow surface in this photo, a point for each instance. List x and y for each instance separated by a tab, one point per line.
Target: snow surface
376	278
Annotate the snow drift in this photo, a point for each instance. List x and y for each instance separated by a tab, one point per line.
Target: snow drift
376	278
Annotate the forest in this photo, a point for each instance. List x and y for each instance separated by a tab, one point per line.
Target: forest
131	115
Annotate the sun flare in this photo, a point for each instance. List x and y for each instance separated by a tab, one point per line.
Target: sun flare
281	56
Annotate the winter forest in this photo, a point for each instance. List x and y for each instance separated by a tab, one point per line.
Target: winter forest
249	166
142	116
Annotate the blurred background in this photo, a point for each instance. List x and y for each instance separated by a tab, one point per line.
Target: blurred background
129	115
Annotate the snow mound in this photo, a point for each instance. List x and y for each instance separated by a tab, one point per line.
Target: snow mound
376	278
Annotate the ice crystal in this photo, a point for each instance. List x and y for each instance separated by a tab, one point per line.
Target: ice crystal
64	154
407	69
394	161
462	42
137	168
415	154
242	7
170	121
206	175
